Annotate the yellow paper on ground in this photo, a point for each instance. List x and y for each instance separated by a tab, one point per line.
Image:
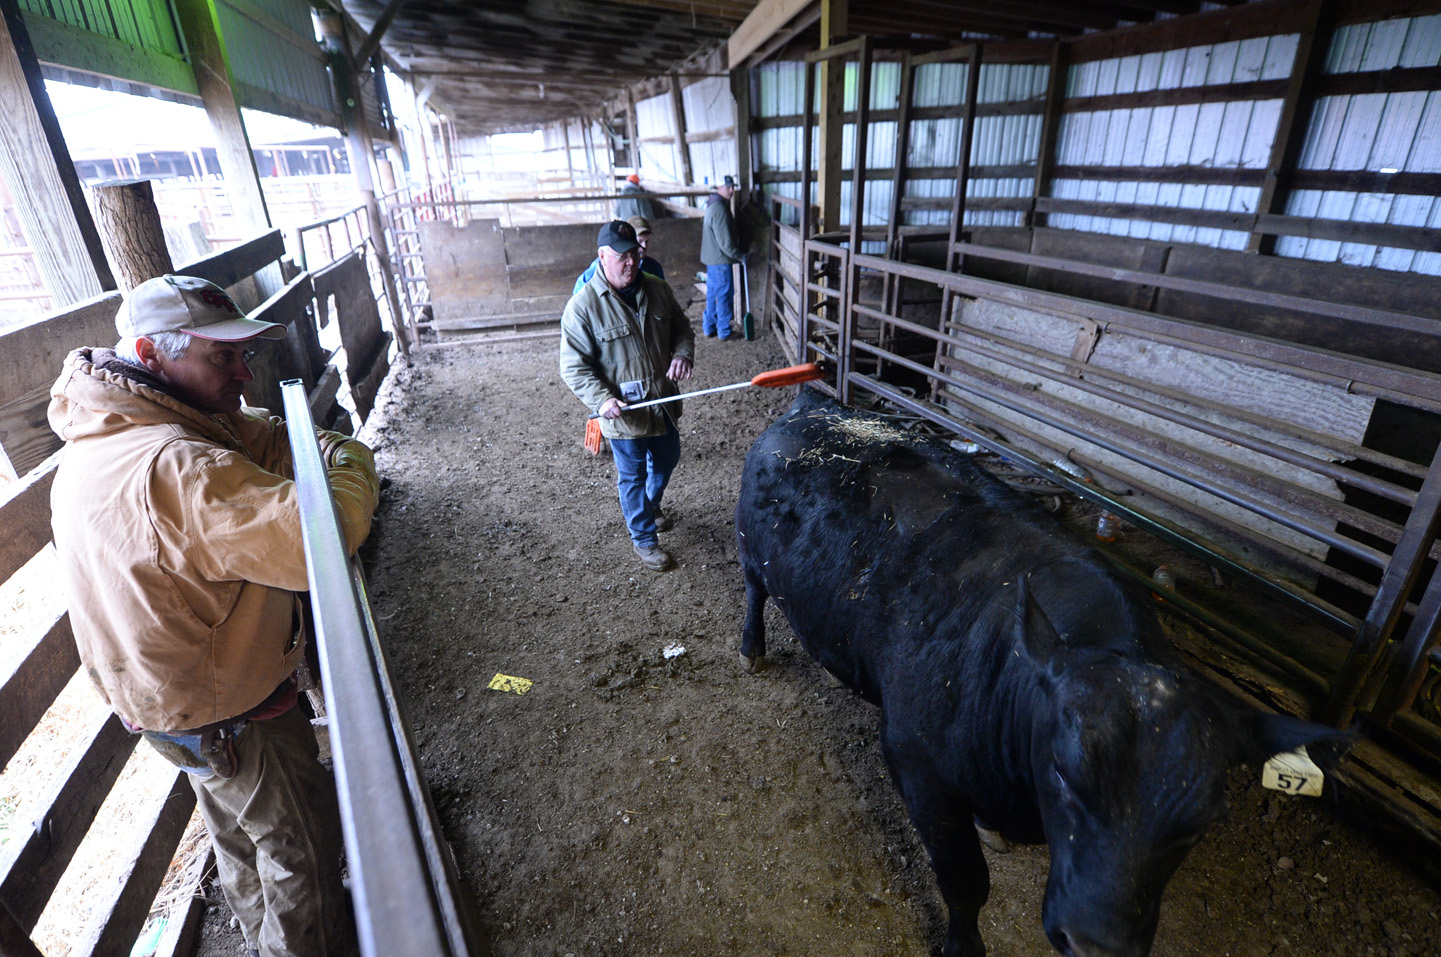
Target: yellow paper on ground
509	683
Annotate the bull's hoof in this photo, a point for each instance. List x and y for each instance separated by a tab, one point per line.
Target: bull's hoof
993	839
753	666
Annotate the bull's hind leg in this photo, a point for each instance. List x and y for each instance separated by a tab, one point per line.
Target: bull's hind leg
753	632
948	831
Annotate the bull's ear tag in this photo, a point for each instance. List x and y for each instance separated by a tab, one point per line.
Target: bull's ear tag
1293	772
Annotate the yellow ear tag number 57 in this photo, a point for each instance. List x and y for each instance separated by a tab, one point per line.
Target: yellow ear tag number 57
1293	772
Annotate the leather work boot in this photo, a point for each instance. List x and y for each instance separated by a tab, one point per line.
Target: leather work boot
654	557
663	522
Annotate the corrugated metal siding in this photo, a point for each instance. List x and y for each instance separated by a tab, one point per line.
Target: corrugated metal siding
777	89
276	52
934	143
653	118
58	29
1234	134
1372	132
146	24
1006	140
709	108
1376	132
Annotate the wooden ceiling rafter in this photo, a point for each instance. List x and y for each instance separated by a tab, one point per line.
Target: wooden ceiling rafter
489	60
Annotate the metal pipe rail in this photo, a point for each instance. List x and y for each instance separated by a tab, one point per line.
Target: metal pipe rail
408	898
1381	676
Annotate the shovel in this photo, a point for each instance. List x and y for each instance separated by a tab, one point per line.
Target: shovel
790	375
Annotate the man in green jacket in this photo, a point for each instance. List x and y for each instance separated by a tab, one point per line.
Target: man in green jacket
719	253
625	339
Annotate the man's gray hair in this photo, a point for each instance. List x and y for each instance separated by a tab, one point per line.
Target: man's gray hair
171	345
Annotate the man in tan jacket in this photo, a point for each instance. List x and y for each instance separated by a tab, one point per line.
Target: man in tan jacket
625	339
178	532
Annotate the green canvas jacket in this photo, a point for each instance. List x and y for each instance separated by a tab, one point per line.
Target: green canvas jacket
605	342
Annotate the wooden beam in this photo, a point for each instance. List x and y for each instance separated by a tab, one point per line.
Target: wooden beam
65	45
963	159
631	127
1259	19
200	25
858	166
785	37
229	266
40	857
768	18
37	166
1050	127
903	148
831	75
1422	79
14	941
372	41
677	106
1179	96
1297	107
123	916
741	93
1187	175
808	96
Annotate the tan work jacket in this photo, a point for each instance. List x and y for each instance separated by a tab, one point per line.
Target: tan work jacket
178	535
604	342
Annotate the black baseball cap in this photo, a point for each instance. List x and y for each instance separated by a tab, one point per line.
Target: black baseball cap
619	235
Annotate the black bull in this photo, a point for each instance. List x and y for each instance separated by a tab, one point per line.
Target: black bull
1022	685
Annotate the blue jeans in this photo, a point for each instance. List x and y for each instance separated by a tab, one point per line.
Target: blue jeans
642	470
719	301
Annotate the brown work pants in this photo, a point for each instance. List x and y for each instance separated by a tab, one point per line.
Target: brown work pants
276	830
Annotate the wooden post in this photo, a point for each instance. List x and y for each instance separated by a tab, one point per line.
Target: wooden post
1050	127
199	22
832	74
898	177
631	127
129	223
808	121
1297	106
37	166
740	80
677	104
963	160
362	150
422	135
569	160
858	164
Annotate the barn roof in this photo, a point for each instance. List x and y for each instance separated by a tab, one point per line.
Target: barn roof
517	64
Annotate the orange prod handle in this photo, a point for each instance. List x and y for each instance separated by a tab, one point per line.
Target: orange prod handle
790	375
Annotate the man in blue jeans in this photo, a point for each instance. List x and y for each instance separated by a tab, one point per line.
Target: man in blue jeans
719	253
625	339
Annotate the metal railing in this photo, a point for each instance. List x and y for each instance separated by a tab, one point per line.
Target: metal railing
408	898
982	381
324	241
406	208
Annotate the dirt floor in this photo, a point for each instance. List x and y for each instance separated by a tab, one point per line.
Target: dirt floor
643	800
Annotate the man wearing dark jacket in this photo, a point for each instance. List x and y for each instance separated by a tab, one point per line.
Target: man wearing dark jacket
718	253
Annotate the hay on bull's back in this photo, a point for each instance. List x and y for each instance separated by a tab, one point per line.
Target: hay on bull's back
850	433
